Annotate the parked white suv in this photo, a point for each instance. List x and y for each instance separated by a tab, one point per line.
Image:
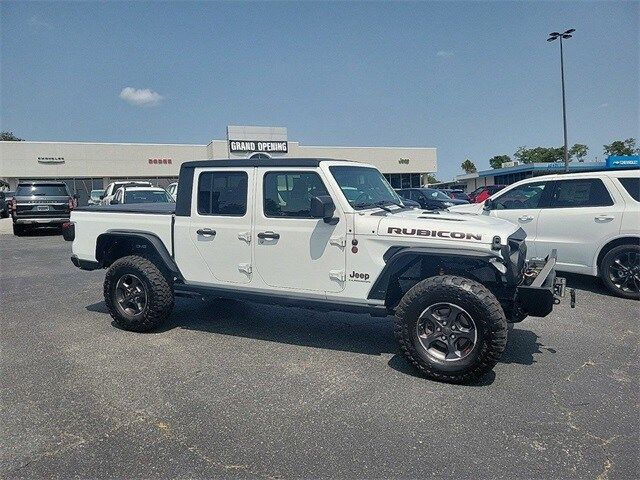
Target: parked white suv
591	219
137	194
173	189
113	187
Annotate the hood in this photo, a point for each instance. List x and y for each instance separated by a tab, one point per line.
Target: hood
474	208
445	225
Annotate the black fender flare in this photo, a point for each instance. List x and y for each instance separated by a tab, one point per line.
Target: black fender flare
399	259
142	240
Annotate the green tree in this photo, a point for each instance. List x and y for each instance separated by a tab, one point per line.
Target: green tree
622	147
498	160
539	154
579	151
468	166
431	178
9	137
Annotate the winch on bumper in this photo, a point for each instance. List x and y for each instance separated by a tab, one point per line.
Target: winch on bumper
541	288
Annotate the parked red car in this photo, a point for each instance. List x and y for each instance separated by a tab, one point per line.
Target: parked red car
480	194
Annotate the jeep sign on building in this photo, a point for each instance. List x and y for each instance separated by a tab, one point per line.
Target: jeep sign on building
88	166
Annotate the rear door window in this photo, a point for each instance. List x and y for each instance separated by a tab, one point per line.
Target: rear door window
587	192
223	193
632	186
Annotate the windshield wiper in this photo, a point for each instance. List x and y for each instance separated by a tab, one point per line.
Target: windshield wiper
374	204
396	203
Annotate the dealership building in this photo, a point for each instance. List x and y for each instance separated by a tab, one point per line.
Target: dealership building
88	166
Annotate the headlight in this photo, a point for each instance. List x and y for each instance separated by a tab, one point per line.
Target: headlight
447	204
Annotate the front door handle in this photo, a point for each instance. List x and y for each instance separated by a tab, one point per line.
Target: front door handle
269	234
206	232
603	218
525	218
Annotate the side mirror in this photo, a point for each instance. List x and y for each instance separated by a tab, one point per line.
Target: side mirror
489	205
323	207
114	201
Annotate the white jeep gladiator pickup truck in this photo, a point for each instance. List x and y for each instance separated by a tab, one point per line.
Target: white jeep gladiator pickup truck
324	234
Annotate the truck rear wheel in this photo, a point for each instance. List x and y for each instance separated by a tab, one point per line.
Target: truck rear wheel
451	328
139	297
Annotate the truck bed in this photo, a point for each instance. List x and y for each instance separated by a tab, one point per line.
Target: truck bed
92	221
149	208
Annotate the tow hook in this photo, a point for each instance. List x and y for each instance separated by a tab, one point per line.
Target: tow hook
559	290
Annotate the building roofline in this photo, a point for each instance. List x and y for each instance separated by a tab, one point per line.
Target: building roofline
378	148
536	167
108	143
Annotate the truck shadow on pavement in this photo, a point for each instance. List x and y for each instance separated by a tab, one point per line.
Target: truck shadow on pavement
325	330
585	283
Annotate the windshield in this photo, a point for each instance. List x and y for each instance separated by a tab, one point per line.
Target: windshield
95	194
147	196
43	190
436	194
364	187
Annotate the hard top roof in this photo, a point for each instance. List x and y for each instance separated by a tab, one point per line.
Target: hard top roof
260	162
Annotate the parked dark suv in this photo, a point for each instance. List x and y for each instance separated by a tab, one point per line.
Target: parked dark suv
429	198
40	204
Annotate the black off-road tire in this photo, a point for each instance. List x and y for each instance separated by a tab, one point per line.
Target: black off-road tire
482	306
607	261
159	291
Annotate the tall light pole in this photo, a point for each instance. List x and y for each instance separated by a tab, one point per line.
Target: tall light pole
553	36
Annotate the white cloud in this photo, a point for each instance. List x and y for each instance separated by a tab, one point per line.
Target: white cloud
445	53
37	22
142	97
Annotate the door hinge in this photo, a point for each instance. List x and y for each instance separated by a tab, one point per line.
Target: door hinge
337	275
338	241
246	236
245	267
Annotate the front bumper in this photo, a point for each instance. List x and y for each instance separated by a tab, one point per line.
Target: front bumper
545	289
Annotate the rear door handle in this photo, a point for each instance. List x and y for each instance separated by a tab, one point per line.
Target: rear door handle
269	234
525	218
207	232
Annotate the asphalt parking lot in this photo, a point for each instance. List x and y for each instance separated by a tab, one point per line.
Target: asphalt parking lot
232	389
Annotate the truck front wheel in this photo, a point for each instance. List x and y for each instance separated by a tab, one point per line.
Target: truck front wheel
138	296
451	328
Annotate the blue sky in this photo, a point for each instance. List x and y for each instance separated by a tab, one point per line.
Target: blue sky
472	79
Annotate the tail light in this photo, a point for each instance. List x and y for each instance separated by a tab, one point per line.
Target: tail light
72	203
13	204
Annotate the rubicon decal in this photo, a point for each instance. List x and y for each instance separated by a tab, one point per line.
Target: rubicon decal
434	233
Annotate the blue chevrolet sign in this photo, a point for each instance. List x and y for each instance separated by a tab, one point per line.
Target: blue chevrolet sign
623	161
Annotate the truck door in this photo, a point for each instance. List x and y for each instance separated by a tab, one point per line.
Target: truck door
292	249
220	226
